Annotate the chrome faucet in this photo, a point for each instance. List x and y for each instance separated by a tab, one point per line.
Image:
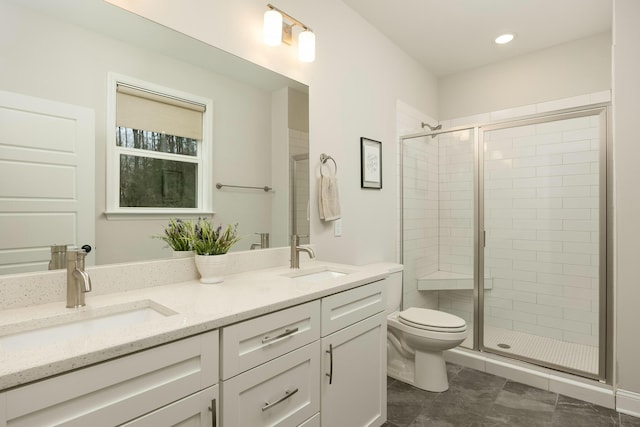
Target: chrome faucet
264	242
295	251
78	280
58	257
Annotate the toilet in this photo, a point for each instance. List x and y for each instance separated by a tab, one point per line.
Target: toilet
416	339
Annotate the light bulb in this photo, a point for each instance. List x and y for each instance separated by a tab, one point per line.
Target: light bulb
272	30
504	39
307	46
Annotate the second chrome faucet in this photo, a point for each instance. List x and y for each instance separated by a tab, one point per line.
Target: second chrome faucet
296	249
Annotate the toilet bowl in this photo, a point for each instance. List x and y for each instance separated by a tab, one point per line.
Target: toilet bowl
424	343
416	339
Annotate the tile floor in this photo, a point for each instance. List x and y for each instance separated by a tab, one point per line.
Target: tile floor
478	399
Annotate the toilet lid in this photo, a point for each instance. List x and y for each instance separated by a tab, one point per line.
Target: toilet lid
432	320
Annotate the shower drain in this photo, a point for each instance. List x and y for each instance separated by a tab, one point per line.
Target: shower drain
501	345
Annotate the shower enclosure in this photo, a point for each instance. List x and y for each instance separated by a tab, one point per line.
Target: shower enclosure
505	226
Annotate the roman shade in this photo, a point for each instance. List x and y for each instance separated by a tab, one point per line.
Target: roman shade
146	110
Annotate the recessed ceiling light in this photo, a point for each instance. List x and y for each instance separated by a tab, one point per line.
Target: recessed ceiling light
504	39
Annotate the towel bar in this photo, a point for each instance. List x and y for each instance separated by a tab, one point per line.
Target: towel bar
265	188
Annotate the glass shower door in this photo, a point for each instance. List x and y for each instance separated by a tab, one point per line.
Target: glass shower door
438	218
542	209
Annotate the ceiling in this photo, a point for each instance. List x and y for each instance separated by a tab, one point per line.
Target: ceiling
450	36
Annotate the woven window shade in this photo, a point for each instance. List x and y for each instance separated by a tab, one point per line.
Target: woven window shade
143	110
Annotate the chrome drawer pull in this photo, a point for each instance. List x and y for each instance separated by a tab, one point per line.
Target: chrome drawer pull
287	394
287	332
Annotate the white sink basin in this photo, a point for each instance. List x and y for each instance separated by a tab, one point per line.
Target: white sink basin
321	275
41	332
317	274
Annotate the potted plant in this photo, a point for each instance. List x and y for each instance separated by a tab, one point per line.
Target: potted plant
211	245
177	235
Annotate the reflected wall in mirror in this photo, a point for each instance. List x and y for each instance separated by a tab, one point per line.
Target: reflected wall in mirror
260	123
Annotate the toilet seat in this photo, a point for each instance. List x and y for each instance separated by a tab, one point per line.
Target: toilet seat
432	320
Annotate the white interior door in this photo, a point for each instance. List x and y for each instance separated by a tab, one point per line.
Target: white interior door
46	180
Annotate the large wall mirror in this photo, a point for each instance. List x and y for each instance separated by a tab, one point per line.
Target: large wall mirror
59	55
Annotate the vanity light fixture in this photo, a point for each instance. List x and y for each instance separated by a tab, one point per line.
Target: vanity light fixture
272	30
504	38
276	31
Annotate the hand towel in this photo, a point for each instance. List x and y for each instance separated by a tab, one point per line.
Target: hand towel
328	197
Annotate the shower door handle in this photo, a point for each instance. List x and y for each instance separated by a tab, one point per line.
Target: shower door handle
484	238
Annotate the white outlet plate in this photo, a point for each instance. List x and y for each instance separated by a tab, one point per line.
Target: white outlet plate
337	227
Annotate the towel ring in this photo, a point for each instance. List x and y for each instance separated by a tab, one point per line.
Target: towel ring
323	160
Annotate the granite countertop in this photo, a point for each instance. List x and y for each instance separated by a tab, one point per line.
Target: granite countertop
197	307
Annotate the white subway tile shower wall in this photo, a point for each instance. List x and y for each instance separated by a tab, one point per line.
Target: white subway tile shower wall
455	177
420	199
299	144
455	193
541	216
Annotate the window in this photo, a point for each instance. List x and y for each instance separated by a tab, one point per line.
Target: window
158	150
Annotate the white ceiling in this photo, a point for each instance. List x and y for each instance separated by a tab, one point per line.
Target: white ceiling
449	36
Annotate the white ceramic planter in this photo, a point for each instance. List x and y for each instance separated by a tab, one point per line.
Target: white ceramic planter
211	268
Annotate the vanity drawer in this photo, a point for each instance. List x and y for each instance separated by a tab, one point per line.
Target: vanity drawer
198	410
348	307
312	422
282	392
250	343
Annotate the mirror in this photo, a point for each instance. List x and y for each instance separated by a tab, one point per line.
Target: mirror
63	51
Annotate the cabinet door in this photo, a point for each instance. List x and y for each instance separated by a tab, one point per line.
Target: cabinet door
354	361
197	410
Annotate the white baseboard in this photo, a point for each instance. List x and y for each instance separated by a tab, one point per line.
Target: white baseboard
628	402
545	379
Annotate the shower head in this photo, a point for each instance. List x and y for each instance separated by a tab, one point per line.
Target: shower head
431	127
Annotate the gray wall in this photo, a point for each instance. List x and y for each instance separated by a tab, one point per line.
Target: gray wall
626	98
569	69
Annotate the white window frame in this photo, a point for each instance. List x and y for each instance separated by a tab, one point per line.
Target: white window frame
203	159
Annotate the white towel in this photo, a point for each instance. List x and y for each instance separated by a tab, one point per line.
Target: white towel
328	197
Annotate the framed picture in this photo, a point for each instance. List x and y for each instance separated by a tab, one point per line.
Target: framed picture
370	163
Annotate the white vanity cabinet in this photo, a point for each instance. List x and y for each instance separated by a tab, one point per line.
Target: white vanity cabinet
179	377
321	363
353	383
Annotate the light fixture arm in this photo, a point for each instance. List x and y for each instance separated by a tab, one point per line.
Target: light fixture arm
293	20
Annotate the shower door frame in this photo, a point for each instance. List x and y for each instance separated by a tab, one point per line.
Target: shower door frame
605	245
605	206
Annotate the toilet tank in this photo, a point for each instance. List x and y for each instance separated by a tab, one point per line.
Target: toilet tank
394	291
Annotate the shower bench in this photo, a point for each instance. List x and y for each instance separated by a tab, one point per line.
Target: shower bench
446	280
